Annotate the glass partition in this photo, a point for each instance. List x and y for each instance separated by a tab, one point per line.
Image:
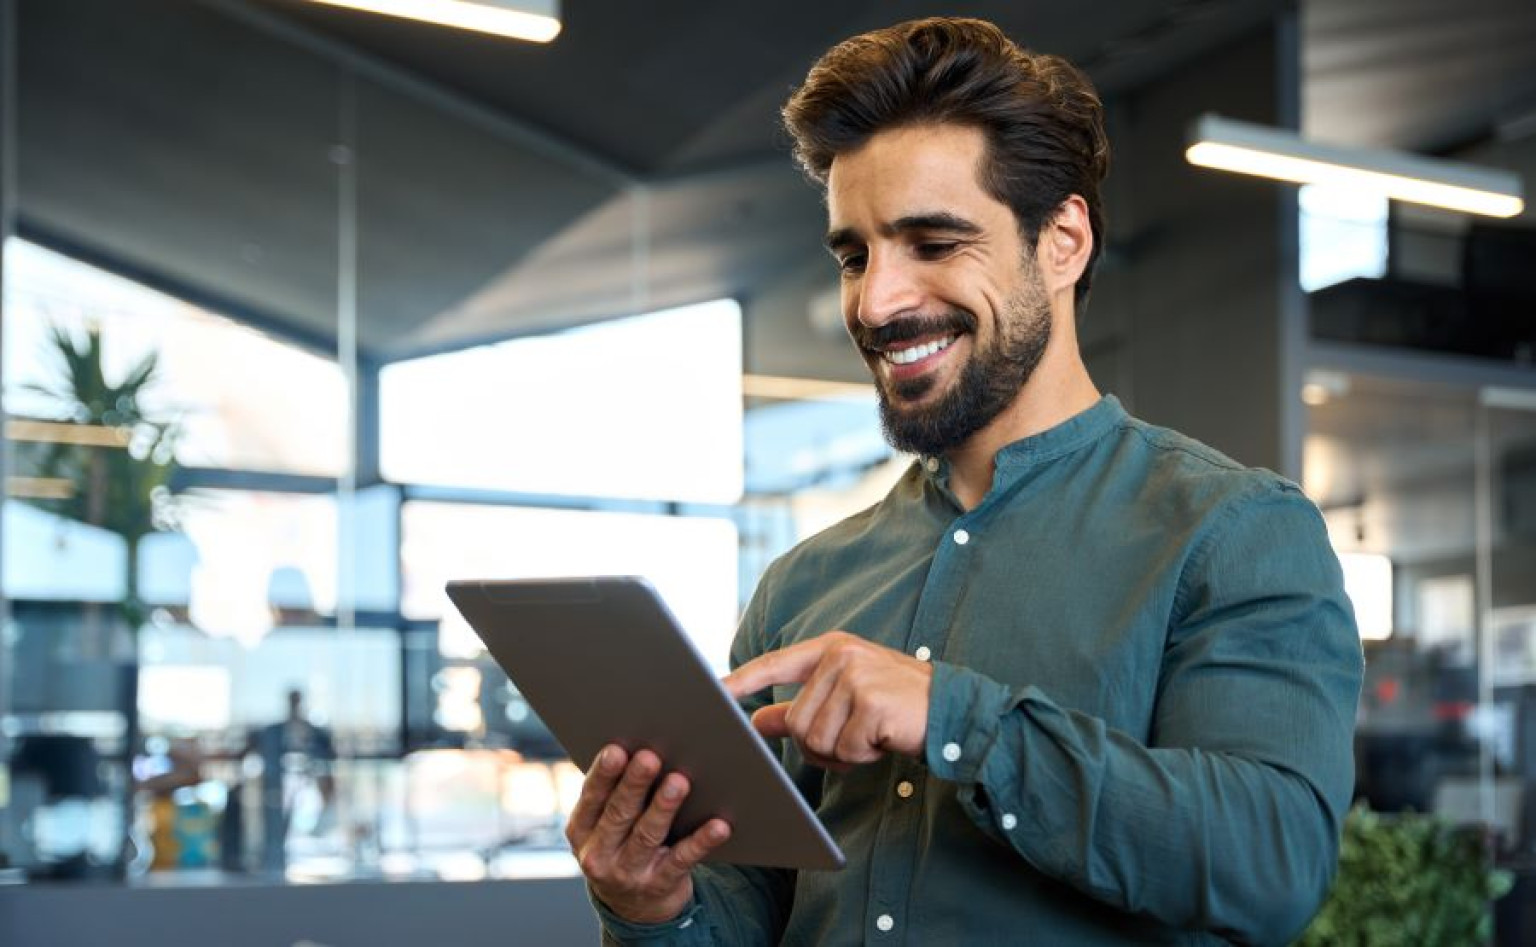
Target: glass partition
1392	464
262	297
1428	495
176	420
1506	791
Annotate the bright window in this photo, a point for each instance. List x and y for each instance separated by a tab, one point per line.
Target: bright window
242	399
1343	235
1368	582
690	560
647	407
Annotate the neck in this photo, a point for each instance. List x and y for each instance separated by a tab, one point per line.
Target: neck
1059	390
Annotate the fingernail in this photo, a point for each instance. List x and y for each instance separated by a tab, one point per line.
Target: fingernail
605	757
670	791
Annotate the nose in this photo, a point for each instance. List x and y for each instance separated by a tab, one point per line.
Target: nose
887	288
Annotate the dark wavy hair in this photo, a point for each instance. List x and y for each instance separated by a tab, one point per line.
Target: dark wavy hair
1043	121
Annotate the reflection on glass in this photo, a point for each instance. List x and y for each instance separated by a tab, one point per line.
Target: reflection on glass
648	407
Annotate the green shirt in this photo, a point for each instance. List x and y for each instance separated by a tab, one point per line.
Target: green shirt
1145	679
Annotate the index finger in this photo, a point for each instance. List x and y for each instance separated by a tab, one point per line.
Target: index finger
791	665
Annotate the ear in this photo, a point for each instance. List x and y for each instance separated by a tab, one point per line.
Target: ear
1065	246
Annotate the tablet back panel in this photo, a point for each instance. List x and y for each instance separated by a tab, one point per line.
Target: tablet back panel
602	661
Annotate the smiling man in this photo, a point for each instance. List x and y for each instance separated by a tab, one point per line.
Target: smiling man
1076	679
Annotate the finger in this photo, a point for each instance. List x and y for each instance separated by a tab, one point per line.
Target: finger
625	803
773	721
858	738
770	722
791	665
649	834
825	762
604	773
690	851
823	732
807	705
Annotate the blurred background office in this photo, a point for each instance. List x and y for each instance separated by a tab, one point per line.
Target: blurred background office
307	310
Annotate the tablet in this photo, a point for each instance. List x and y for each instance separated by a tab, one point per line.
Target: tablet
602	661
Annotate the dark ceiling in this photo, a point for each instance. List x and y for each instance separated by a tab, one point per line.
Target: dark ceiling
492	188
671	87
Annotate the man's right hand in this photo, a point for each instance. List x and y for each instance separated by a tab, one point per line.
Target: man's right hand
620	842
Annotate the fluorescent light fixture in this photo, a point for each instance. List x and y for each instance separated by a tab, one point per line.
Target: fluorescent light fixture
1227	145
537	21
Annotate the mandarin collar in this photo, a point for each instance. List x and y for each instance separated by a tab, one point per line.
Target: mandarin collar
1081	429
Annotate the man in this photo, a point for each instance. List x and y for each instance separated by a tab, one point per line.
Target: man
293	752
1076	679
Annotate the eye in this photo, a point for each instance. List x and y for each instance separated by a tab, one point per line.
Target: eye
935	249
851	263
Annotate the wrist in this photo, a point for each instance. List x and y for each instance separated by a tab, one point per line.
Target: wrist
646	910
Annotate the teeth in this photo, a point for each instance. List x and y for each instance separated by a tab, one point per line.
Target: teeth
916	352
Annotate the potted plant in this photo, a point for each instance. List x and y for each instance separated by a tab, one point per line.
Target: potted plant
1409	879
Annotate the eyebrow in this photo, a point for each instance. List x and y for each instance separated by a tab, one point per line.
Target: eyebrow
937	221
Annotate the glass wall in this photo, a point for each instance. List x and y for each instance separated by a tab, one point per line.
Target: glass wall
177	421
1427	496
279	359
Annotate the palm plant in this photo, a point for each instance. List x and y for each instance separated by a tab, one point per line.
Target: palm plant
119	477
122	488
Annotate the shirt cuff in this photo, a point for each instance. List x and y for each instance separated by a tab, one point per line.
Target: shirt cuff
685	930
965	711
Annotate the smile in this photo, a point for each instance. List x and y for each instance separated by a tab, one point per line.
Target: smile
918	352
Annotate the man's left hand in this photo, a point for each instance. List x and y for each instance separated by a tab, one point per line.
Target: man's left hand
859	701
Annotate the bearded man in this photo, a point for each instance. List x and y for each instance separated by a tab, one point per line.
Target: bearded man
1077	679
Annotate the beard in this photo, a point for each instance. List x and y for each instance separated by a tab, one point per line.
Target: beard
988	382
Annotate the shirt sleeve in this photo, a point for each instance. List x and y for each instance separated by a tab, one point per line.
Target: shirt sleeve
1228	818
732	904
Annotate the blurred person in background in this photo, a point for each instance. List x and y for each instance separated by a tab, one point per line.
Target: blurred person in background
296	754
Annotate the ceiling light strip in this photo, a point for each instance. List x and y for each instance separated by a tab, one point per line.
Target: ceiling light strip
498	17
1227	145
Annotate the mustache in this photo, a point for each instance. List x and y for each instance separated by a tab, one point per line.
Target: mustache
954	322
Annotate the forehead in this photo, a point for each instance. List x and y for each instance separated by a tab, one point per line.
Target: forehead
908	170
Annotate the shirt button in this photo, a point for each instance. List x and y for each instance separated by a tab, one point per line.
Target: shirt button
885	922
904	789
962	537
1010	821
922	653
932	463
951	751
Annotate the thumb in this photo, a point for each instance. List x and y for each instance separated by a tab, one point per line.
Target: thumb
771	721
